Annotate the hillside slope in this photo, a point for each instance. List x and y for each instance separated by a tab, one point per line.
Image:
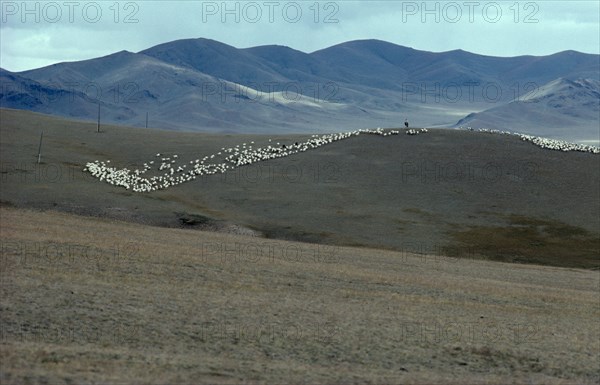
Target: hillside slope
88	300
561	108
472	195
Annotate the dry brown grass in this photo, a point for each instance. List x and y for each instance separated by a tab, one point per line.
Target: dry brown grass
89	300
446	190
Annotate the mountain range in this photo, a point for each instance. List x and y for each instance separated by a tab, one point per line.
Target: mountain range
205	85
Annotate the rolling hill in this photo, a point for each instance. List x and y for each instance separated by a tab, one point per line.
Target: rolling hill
559	106
374	259
462	193
56	99
205	85
94	300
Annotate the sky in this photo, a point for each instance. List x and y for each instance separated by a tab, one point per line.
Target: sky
39	33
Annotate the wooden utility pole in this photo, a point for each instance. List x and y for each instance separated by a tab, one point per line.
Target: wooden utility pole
98	128
40	148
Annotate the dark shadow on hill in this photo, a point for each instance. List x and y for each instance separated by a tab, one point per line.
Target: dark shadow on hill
529	240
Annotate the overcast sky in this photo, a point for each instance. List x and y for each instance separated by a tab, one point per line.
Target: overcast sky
36	34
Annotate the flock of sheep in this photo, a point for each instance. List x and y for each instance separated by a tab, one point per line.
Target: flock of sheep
246	154
551	144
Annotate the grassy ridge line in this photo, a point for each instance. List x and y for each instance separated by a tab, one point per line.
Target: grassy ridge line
166	308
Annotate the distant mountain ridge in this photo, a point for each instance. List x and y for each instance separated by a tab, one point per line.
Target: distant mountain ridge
559	106
202	84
